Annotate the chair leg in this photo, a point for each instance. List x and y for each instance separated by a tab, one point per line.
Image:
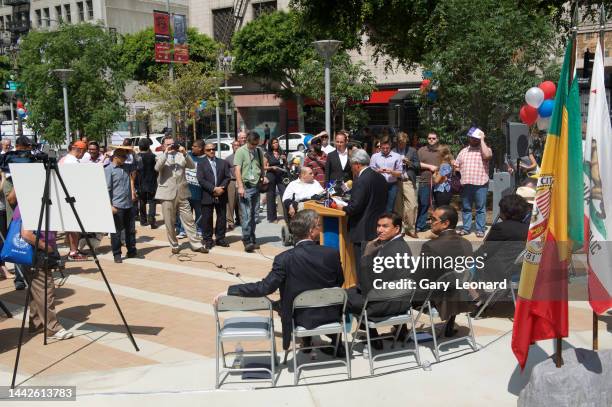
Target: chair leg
472	337
272	359
433	334
370	355
223	355
417	354
348	354
286	355
217	362
296	375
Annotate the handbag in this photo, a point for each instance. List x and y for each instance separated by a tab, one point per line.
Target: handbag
455	182
15	249
261	186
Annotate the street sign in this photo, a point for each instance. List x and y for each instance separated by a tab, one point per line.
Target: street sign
11	85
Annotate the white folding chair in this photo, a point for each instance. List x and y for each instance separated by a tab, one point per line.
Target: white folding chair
325	297
446	277
244	329
386	321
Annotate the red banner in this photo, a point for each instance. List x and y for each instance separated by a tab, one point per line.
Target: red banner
163	52
181	54
161	26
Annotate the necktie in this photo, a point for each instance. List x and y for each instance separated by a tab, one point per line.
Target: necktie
213	164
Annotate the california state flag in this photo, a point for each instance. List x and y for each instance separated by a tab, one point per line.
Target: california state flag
598	192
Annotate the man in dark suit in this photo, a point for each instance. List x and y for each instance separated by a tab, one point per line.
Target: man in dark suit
338	167
307	266
389	242
214	176
368	201
447	244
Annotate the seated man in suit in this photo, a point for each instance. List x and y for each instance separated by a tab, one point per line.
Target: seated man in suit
213	175
447	244
389	243
307	266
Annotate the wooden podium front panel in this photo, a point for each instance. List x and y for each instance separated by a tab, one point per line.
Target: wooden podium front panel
335	234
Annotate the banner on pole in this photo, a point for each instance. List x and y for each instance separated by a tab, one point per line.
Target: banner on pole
161	26
163	52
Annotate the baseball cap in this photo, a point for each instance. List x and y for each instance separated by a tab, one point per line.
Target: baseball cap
79	144
475	132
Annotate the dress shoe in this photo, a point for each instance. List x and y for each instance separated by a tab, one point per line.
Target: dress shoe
255	246
330	351
144	223
222	243
176	250
117	259
249	248
152	223
200	249
134	255
209	245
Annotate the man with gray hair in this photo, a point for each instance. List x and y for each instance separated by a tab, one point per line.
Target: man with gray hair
307	266
6	145
367	203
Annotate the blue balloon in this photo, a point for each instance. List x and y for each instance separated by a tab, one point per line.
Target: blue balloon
307	140
203	104
546	108
432	95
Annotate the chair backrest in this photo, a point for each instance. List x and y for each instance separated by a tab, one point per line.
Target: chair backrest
234	303
323	297
399	294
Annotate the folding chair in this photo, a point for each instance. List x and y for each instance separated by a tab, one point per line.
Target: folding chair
325	297
5	310
511	277
385	321
446	277
244	329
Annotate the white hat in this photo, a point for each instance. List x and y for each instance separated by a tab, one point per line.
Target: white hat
527	193
475	132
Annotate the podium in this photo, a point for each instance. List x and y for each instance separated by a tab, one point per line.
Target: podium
335	235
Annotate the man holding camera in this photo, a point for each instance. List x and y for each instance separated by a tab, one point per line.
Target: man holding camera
173	192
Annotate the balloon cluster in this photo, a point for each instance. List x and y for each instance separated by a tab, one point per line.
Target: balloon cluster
428	87
540	105
21	110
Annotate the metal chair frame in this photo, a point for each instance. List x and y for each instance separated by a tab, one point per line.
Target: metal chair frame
388	320
243	304
324	297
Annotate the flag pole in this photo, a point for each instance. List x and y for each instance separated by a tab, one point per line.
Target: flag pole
602	32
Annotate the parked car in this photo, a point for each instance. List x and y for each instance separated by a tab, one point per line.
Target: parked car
156	145
224	136
296	141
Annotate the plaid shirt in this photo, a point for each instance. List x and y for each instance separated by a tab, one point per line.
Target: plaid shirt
474	170
317	166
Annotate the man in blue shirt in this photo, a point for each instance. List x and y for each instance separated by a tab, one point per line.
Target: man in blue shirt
118	182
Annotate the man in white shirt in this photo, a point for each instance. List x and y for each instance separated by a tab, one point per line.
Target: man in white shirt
301	189
74	156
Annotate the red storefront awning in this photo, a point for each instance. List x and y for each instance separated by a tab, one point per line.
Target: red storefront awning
381	96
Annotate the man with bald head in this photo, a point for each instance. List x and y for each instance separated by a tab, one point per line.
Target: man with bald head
214	175
301	189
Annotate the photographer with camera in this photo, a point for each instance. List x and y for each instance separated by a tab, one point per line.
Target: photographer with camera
173	192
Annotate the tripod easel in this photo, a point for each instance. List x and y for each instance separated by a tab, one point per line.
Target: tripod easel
50	165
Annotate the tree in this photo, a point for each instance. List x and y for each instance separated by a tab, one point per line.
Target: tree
483	66
180	98
138	54
272	49
399	28
350	84
95	88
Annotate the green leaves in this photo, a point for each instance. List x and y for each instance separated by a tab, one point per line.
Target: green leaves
95	88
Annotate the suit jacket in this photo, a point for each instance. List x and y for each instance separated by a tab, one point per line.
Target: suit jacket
334	170
305	267
368	201
207	179
146	176
171	179
448	244
503	244
367	276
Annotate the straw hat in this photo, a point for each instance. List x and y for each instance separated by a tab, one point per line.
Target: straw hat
527	193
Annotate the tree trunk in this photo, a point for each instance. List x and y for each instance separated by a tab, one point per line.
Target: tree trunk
299	100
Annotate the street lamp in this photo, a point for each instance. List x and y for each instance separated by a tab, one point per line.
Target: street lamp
225	63
11	94
327	49
63	75
217	117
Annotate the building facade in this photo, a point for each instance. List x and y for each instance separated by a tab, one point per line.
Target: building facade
387	105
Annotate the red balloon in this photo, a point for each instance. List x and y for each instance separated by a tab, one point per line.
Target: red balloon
528	115
425	83
549	89
19	104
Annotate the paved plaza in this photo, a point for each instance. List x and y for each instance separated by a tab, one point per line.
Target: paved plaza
167	302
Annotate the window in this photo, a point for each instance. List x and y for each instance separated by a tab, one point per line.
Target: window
90	13
2	23
38	18
607	53
81	11
58	14
47	17
265	7
67	11
223	24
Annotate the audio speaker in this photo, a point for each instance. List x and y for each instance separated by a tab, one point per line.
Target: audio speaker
517	140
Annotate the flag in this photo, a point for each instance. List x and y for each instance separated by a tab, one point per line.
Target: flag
598	192
556	224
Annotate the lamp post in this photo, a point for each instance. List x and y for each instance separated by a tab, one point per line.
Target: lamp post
327	49
217	117
11	94
225	63
63	75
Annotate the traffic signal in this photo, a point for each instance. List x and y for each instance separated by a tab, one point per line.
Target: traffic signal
587	69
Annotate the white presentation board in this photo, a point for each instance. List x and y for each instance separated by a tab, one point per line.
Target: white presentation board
85	182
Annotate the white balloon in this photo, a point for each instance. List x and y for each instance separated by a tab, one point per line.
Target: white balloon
534	97
543	123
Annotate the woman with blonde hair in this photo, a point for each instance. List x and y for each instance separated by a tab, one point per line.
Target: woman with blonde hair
441	177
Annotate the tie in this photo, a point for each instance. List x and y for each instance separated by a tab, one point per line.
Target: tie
213	164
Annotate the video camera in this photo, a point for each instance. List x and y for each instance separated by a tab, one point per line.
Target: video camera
36	155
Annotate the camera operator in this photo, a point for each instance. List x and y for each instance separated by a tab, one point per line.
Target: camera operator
301	189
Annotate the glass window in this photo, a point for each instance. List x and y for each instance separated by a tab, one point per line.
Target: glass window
38	18
223	24
81	11
67	11
90	12
58	14
47	18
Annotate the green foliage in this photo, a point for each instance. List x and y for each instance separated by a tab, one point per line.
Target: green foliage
350	83
193	83
483	66
272	48
138	54
95	89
